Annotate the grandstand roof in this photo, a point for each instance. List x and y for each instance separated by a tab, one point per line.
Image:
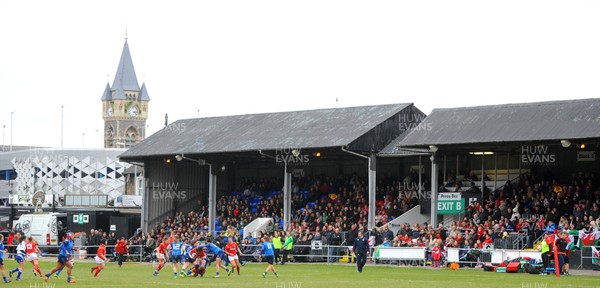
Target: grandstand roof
393	148
371	127
541	121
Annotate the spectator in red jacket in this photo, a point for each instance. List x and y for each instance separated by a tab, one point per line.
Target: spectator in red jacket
9	243
121	249
436	254
488	240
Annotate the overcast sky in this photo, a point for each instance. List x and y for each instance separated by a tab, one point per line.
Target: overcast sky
240	57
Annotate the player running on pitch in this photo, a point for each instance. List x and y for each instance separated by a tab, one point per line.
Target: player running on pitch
161	252
32	250
176	254
66	253
100	259
269	252
2	251
232	249
20	258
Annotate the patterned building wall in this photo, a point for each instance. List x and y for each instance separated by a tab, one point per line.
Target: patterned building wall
70	175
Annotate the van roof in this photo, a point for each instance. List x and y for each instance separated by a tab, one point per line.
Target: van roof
45	214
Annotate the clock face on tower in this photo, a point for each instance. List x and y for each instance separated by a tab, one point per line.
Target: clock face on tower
133	111
109	111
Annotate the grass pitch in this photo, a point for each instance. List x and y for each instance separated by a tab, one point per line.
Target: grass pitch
298	276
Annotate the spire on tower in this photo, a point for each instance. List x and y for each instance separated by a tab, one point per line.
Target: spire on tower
125	76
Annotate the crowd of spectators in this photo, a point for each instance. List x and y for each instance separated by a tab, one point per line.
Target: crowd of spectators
334	209
533	204
525	208
323	206
317	204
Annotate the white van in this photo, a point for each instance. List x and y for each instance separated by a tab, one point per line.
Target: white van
46	228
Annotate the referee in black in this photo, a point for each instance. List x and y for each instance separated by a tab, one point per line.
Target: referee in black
361	250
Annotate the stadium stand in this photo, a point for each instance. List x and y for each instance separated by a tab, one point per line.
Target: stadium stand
322	204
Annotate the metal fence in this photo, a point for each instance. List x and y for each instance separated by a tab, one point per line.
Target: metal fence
317	251
515	240
137	253
587	256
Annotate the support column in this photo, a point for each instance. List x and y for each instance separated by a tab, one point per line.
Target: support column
212	196
372	178
482	172
372	182
145	203
520	163
457	167
420	173
508	166
287	198
434	192
445	173
495	171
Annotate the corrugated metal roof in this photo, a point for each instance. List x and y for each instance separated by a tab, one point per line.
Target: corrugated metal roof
394	149
572	119
269	131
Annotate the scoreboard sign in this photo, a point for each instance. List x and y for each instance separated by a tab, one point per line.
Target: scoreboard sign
450	203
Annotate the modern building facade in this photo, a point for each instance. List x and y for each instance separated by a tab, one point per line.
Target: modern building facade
68	177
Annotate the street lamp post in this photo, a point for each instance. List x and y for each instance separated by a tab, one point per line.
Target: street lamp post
11	129
72	181
61	124
67	176
3	128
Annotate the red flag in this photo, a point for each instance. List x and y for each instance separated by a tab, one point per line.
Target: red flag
588	239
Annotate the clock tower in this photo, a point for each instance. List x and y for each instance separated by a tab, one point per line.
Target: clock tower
124	106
